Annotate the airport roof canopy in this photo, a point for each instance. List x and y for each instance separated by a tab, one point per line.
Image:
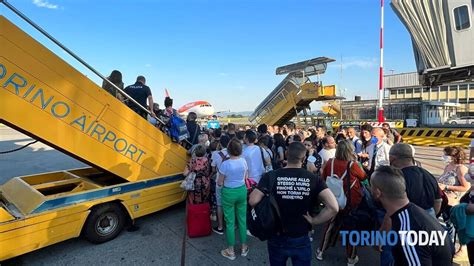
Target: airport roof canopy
310	67
426	22
442	37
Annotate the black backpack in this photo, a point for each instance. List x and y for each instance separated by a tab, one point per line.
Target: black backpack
264	220
276	163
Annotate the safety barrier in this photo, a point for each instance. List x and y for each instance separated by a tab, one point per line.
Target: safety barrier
393	124
438	137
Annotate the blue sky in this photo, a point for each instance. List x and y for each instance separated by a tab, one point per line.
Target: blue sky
223	51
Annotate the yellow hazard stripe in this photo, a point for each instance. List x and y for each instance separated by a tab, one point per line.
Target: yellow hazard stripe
441	137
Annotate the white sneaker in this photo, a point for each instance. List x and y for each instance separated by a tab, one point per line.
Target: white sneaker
249	234
352	262
319	255
245	252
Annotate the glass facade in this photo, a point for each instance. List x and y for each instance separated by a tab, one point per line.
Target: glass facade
462	93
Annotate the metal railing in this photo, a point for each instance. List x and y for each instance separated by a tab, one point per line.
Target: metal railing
54	40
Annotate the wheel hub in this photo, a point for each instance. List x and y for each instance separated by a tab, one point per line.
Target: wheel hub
106	224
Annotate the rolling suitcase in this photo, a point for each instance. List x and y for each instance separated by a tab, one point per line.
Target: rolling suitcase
198	219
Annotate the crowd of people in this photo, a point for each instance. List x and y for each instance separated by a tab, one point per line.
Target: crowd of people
384	183
355	179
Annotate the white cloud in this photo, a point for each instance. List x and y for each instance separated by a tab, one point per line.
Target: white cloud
148	65
223	74
355	62
45	4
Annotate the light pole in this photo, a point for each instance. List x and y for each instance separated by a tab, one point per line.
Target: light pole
380	113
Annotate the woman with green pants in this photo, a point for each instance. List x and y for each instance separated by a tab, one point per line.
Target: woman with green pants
234	198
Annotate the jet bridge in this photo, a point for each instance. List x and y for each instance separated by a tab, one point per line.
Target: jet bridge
442	34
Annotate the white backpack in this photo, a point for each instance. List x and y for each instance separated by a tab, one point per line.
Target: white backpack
336	185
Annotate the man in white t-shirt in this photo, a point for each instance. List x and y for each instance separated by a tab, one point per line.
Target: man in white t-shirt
379	152
217	157
329	149
253	155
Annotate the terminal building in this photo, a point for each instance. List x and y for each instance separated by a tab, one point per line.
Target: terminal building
406	98
442	36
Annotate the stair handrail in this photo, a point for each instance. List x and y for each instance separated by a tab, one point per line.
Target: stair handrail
71	53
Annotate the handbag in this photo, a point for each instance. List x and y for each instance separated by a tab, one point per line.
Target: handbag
188	182
250	184
267	168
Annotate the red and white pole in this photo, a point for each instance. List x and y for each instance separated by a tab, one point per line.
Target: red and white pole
380	111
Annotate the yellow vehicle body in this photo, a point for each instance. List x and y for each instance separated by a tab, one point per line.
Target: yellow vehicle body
57	215
133	164
332	109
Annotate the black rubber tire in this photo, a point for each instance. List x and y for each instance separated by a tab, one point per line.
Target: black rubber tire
453	123
113	210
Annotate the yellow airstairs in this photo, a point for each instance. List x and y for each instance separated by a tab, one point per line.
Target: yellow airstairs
135	168
295	93
46	98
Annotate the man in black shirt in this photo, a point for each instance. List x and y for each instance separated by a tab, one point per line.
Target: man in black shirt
297	192
193	128
140	93
410	222
321	132
421	186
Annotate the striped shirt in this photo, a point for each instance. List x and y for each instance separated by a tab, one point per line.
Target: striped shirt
414	218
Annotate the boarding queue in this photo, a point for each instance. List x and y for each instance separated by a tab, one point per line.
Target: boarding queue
357	180
276	183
